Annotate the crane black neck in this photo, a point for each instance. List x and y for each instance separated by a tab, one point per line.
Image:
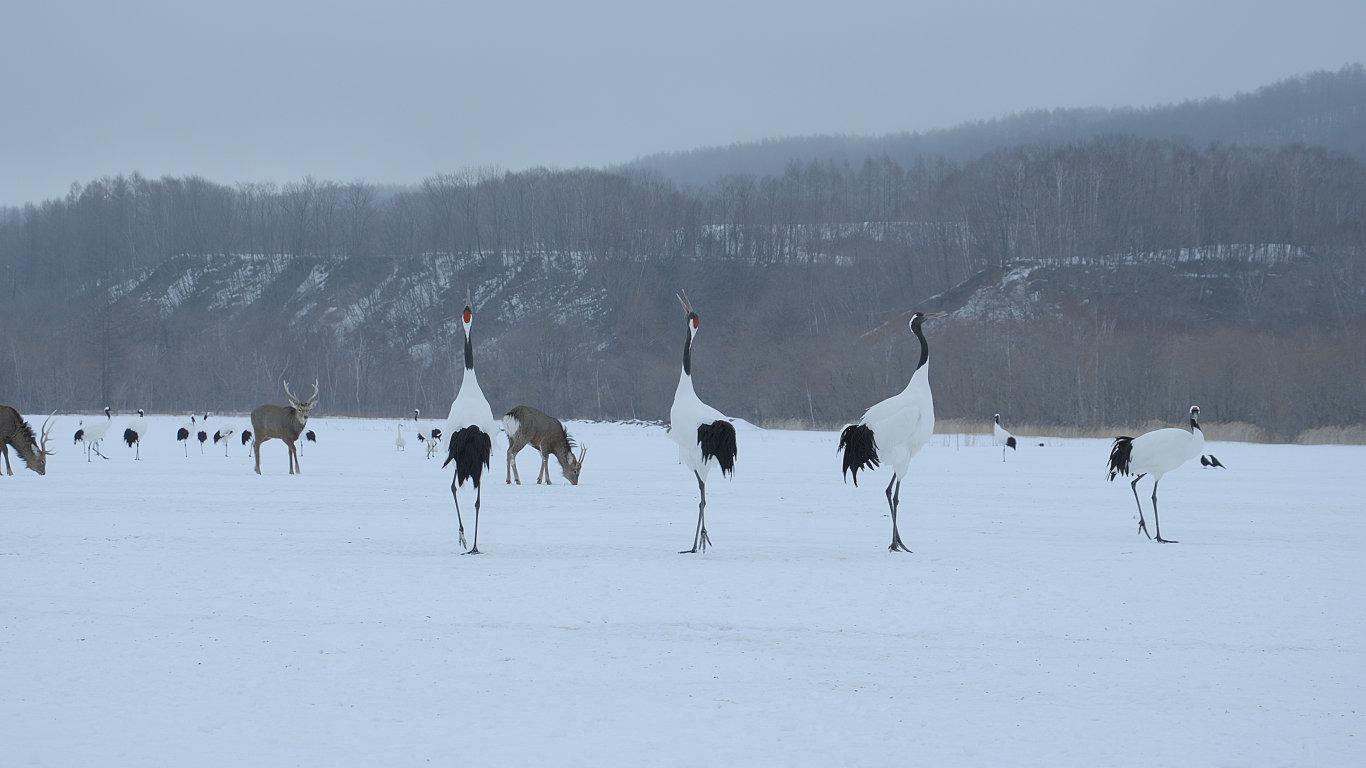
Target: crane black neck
924	346
687	352
469	352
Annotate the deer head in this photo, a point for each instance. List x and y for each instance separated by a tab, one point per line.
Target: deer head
39	461
575	465
301	406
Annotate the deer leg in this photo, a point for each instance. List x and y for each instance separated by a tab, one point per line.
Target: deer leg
545	467
256	449
4	453
512	465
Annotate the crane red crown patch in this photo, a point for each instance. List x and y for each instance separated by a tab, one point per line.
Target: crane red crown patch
468	314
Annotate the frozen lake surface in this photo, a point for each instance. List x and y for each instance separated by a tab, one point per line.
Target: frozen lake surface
184	611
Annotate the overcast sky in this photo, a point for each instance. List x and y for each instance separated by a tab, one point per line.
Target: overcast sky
395	92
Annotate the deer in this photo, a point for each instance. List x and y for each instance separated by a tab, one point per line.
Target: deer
284	422
527	426
17	432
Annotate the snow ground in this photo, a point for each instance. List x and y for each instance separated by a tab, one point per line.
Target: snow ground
184	611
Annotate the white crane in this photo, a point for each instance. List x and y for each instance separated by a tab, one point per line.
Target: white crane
470	428
1155	453
895	429
183	434
222	434
705	437
132	434
1001	437
400	442
93	434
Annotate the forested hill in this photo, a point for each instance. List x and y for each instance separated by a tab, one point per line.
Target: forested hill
1101	282
1322	109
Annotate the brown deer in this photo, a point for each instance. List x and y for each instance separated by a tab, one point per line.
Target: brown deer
527	426
284	422
16	432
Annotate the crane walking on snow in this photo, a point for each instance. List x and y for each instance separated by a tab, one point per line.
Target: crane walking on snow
471	428
132	434
1155	453
895	429
1001	437
705	437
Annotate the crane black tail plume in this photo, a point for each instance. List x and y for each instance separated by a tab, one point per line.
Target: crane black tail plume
860	449
130	437
1010	443
1120	454
470	449
717	440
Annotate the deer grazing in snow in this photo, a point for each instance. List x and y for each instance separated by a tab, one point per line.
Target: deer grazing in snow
527	426
284	422
16	432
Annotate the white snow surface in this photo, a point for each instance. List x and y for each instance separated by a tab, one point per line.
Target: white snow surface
185	611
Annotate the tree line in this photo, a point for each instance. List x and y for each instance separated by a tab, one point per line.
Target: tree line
797	265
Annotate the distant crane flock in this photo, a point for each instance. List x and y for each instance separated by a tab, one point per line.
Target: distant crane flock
892	431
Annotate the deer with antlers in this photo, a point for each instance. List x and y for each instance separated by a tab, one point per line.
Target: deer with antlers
17	432
528	426
284	422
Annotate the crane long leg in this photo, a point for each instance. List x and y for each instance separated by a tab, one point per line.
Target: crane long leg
456	496
1157	525
700	538
1142	524
478	495
894	501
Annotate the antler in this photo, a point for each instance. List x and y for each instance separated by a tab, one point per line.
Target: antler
582	454
314	399
290	394
42	442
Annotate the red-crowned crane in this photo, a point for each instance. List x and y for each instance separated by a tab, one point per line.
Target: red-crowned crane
705	437
203	433
92	435
222	434
895	429
1001	437
1155	453
471	430
183	434
132	434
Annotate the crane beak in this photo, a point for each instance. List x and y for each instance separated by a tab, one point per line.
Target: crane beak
932	315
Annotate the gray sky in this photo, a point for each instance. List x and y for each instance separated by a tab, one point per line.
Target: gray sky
394	92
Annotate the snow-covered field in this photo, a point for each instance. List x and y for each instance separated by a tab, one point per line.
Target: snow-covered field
184	611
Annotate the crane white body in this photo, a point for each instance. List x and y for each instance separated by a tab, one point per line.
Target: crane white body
399	442
222	434
469	434
705	437
1156	453
132	434
999	436
894	430
94	434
